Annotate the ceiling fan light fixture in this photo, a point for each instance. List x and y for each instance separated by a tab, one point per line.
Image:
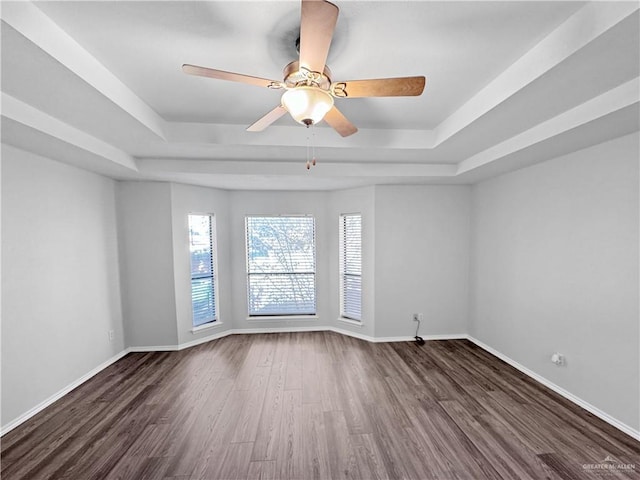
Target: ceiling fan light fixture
307	104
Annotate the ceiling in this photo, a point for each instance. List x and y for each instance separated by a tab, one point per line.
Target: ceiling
99	85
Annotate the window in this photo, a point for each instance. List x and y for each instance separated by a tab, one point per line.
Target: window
351	266
202	250
281	265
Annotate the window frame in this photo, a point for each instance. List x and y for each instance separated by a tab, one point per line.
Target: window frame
213	243
292	315
344	315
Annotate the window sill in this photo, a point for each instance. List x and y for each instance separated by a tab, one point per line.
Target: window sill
206	326
357	323
280	318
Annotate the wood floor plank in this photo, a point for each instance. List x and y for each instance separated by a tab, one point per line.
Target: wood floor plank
311	389
290	446
369	457
293	378
267	352
394	400
509	463
219	436
250	409
352	403
510	442
423	458
265	446
451	443
341	451
192	427
316	453
567	471
329	393
313	405
108	444
140	459
234	465
265	470
386	441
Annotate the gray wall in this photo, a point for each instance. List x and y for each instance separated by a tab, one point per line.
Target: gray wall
60	280
146	259
556	269
422	259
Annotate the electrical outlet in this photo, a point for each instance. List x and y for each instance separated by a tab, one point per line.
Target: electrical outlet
416	317
558	359
420	316
112	334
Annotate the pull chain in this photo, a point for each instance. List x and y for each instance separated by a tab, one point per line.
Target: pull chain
308	164
311	146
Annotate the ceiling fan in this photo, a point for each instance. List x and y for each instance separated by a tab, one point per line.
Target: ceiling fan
309	91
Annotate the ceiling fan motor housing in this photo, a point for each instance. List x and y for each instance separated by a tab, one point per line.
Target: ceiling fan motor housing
294	76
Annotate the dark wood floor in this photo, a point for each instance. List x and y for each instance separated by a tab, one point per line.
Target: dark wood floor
314	406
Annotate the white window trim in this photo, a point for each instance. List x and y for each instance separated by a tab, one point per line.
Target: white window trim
216	321
350	321
280	318
207	326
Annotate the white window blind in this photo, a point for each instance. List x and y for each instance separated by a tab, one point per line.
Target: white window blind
351	266
202	252
281	265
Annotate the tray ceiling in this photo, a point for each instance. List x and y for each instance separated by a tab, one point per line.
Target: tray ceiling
503	79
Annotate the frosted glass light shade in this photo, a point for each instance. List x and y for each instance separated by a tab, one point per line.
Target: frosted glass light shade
307	105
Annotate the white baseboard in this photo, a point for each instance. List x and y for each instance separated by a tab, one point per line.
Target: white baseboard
153	348
559	390
351	333
56	396
280	329
454	336
392	339
208	338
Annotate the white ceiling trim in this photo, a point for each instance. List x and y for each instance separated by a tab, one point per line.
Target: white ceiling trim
295	135
16	110
609	102
580	29
325	169
613	100
33	24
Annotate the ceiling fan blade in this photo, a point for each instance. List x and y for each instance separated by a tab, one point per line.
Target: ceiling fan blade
317	23
267	120
382	87
233	77
339	122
